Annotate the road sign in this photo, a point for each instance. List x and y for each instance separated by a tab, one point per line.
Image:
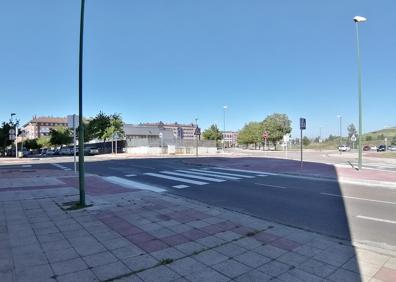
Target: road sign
303	123
70	121
286	138
265	134
353	138
197	131
11	131
11	137
116	136
160	135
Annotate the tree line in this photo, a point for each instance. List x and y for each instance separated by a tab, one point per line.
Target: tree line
101	127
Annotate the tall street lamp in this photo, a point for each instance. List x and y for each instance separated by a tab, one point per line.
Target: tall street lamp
81	172
224	124
357	20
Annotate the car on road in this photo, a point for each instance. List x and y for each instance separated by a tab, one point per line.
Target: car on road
392	148
373	148
381	148
366	148
344	148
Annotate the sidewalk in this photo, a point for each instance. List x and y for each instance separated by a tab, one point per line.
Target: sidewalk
134	235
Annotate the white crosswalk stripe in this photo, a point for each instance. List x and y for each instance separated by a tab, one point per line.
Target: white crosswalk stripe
62	167
190	181
133	184
211	175
194	176
223	173
244	170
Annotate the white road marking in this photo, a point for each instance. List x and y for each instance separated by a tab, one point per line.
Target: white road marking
273	186
132	184
376	219
243	170
211	175
61	167
357	198
26	165
180	186
194	176
223	173
176	178
130	175
263	175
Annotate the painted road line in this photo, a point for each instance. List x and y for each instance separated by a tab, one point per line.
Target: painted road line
194	176
26	165
211	175
130	175
223	173
263	175
376	219
357	198
180	186
246	171
61	167
269	185
176	178
132	184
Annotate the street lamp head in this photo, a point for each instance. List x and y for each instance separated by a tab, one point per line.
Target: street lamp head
225	107
359	19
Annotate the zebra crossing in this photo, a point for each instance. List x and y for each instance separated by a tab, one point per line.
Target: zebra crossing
199	177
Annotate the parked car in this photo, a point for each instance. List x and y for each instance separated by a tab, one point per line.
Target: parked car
366	148
344	148
373	148
91	151
50	152
65	151
392	148
381	148
43	152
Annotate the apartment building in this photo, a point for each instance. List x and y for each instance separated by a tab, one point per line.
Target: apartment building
230	138
41	126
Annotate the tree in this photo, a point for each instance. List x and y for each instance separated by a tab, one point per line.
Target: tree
306	141
212	133
251	133
43	142
98	126
351	130
60	136
393	141
369	138
277	125
116	127
32	144
4	135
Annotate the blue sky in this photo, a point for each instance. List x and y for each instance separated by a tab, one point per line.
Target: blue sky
180	59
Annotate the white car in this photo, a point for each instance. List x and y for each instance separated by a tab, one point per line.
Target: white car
344	148
373	148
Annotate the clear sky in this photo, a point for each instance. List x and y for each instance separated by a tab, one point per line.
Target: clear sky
181	59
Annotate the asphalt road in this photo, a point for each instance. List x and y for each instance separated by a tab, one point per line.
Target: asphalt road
362	213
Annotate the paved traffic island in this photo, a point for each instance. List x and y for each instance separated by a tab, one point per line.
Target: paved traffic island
135	235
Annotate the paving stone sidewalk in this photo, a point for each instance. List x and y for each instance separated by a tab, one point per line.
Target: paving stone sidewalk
134	235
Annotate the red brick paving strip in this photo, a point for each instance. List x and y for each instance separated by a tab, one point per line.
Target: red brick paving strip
386	274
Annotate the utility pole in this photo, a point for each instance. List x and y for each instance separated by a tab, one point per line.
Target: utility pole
81	150
224	125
